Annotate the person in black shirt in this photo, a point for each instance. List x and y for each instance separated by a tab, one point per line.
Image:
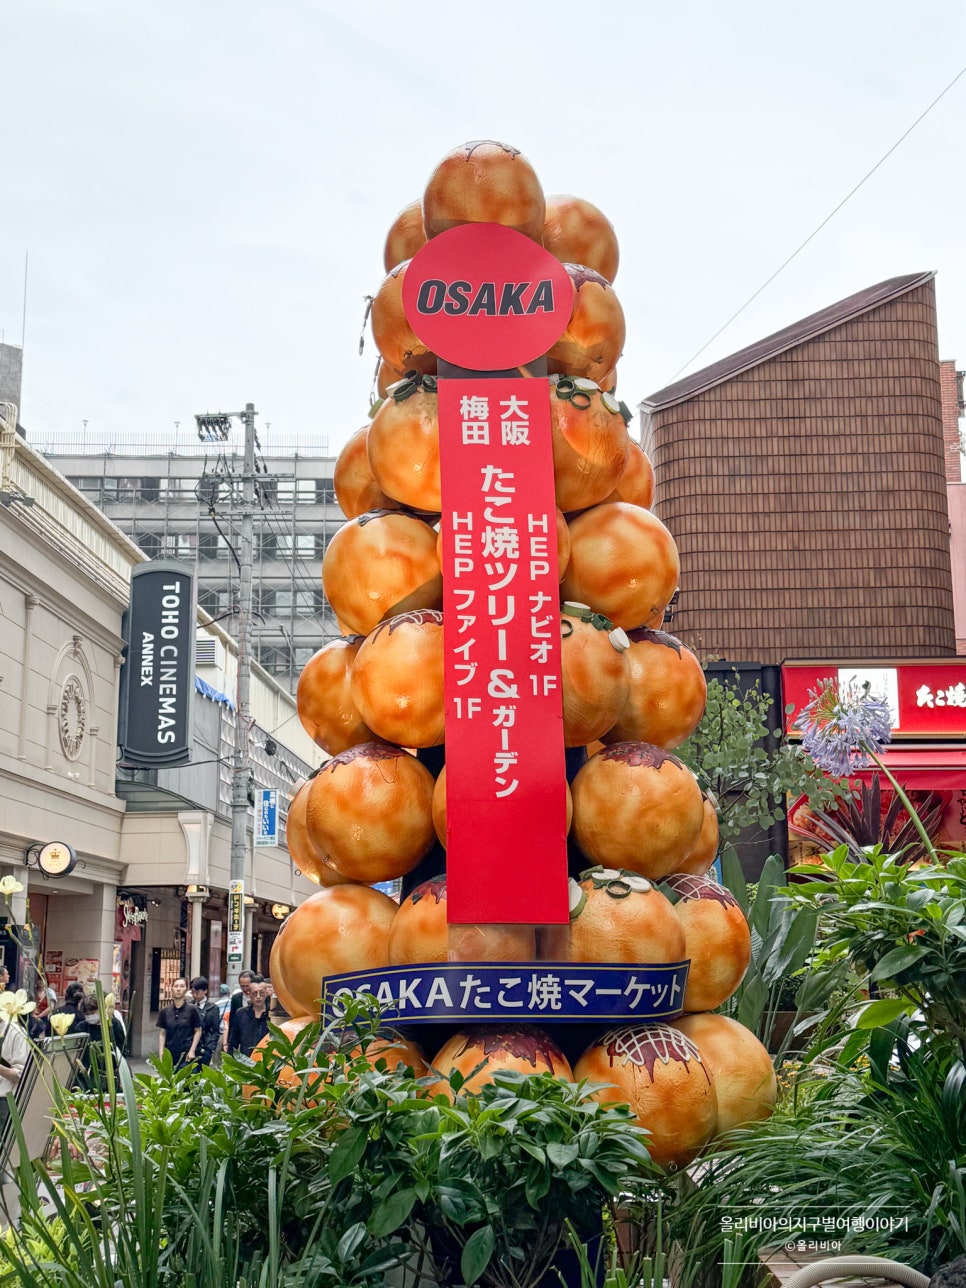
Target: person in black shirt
210	1019
69	1007
179	1026
242	996
250	1024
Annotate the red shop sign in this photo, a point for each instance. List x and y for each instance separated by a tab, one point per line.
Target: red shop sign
927	698
487	298
506	849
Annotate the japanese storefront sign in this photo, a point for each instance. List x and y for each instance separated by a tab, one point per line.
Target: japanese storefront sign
487	991
236	920
927	698
505	776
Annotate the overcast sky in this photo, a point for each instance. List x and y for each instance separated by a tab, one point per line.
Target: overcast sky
204	186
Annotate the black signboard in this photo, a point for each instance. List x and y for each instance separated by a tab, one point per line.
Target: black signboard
158	676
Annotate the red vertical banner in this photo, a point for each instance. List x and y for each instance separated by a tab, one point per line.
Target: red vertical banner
506	856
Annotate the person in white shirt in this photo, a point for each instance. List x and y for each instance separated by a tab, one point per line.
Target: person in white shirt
14	1050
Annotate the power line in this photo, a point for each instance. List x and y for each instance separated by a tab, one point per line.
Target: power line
885	156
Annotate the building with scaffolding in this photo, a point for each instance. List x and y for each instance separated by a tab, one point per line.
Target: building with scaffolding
181	499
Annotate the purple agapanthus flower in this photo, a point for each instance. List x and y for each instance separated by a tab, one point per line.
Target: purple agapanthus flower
842	731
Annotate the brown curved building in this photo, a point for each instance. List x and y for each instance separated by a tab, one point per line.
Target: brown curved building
804	481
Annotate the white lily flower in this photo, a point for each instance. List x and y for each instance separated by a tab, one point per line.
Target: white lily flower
10	885
60	1023
15	1005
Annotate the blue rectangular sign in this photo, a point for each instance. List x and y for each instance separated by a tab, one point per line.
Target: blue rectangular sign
266	817
519	992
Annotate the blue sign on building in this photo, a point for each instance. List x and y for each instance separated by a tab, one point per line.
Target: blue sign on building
266	817
515	992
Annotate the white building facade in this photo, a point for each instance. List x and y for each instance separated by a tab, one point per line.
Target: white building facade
142	838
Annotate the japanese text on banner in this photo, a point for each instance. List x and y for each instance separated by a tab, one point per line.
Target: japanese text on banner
506	850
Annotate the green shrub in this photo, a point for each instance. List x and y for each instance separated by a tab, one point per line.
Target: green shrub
884	1157
229	1178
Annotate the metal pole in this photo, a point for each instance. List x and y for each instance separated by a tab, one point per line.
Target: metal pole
197	929
241	769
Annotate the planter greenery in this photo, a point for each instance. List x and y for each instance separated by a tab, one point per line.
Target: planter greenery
898	928
876	1163
868	1145
246	1176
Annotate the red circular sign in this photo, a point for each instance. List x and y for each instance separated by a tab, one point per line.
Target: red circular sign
485	297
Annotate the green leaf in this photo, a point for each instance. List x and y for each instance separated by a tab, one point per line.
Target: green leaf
854	1045
477	1253
562	1156
751	1004
537	1185
453	1204
491	1145
953	1092
883	1012
772	879
882	1043
732	877
347	1153
791	940
350	1241
897	960
390	1214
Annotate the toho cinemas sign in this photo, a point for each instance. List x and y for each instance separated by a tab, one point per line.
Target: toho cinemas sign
158	676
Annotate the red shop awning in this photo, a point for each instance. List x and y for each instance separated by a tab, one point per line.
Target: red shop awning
932	769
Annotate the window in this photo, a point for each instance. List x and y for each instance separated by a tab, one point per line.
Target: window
266	491
325	491
212	601
276	658
298	603
179	491
211	546
183	545
150	489
299	491
302	656
303	545
118	490
268	546
150	543
264	602
309	603
89	484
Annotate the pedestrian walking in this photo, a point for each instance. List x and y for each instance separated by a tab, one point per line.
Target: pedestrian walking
92	1071
240	997
210	1020
250	1024
179	1026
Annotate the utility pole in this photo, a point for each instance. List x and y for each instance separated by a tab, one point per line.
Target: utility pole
217	426
241	770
